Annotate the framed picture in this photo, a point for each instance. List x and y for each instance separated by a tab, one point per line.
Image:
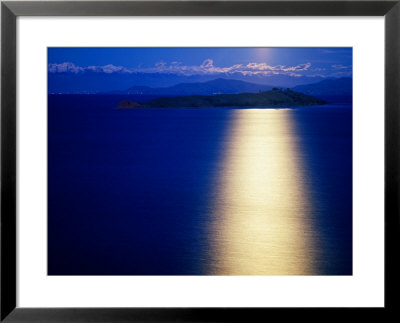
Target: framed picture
198	161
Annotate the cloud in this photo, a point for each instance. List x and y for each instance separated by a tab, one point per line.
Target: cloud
301	67
207	67
318	69
108	69
208	63
68	67
341	73
341	67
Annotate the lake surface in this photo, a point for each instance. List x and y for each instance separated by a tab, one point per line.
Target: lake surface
201	191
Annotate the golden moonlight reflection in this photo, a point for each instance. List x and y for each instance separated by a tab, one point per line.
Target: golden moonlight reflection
261	209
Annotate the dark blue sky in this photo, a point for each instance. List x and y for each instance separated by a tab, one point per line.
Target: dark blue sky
324	62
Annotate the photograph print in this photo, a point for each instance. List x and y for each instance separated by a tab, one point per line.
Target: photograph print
200	161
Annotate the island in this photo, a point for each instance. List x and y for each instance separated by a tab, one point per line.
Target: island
273	98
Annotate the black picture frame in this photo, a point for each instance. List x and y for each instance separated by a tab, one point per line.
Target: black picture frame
10	10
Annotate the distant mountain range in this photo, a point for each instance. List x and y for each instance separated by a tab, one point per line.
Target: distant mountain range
334	91
92	82
218	86
272	98
331	90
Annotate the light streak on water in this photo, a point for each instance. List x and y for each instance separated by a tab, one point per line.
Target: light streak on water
262	222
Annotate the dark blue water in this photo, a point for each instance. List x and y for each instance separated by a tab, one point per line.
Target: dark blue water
131	190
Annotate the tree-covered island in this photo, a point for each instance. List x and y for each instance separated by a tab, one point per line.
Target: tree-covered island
273	98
